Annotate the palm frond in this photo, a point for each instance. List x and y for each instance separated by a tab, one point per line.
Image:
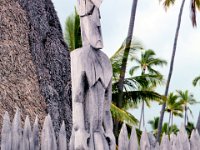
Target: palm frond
168	3
123	116
73	32
193	13
196	80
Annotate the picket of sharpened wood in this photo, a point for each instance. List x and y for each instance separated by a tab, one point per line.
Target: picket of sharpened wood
133	143
16	132
152	140
165	143
195	140
6	133
144	141
123	140
183	139
26	138
35	144
48	139
198	124
173	141
62	138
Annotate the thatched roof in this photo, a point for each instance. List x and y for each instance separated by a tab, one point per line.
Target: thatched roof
18	80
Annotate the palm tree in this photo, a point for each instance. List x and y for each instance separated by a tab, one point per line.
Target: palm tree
146	64
132	94
126	53
72	33
154	125
186	99
173	107
194	4
165	128
196	81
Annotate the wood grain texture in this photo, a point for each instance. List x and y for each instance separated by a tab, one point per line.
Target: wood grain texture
91	94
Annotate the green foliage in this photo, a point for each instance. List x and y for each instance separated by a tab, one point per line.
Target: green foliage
195	4
154	126
116	59
146	63
196	81
123	116
174	105
73	31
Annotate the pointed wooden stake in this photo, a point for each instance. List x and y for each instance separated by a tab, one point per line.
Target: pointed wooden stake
6	133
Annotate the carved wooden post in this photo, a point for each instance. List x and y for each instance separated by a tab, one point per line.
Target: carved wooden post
198	124
183	139
133	143
91	73
194	140
48	140
123	141
61	139
16	132
26	138
144	141
6	133
165	143
35	143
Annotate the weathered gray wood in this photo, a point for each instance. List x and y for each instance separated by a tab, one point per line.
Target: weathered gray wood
62	140
26	138
48	140
16	131
91	72
133	142
195	140
157	147
90	23
173	141
183	140
35	144
123	140
144	141
152	141
6	133
91	94
198	124
165	143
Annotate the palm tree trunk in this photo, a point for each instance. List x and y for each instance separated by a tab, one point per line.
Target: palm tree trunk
142	114
170	70
125	58
143	118
185	118
170	114
172	120
126	52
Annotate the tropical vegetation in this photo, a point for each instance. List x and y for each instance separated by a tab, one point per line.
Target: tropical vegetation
136	77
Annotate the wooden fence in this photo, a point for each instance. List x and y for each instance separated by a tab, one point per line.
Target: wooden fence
14	137
148	141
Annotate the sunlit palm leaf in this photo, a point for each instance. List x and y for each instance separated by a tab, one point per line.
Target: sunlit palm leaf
123	116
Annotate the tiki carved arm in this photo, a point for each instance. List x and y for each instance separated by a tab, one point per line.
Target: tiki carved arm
108	122
81	134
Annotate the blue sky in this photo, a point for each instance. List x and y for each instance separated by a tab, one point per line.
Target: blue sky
155	28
